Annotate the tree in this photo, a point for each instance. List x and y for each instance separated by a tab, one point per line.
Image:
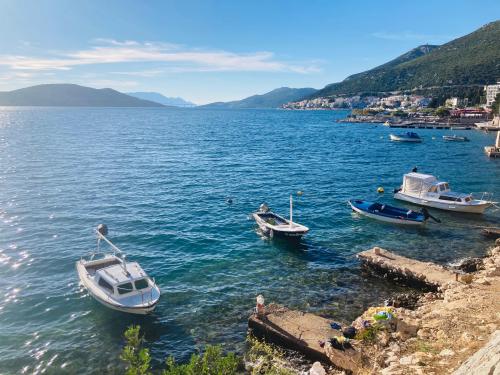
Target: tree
442	112
137	358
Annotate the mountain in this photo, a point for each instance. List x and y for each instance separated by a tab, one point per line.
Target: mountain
159	98
272	99
473	59
69	95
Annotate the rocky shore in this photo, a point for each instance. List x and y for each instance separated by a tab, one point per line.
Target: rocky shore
453	329
447	329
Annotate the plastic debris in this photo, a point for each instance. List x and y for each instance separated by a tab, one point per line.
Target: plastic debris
335	325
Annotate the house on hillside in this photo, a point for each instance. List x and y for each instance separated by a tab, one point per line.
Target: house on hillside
491	93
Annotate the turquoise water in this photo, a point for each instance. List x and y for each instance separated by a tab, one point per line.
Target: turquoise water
159	179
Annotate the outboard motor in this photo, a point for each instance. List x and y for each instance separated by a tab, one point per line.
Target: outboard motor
263	207
102	229
427	215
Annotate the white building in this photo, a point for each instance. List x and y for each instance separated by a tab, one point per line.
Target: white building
491	93
456	102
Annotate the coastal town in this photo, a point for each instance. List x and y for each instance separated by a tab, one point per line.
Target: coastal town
405	109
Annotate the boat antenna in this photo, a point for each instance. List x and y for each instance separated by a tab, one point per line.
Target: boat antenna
102	231
291	210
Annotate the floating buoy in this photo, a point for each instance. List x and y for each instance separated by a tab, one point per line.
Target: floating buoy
300	192
229	200
380	190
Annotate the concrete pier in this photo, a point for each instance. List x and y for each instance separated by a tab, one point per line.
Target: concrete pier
303	332
425	275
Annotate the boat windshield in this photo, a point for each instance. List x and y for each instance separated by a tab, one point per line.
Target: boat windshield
124	288
141	284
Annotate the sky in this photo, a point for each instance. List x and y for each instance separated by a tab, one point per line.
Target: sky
206	51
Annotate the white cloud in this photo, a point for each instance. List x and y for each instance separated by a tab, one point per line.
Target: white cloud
173	56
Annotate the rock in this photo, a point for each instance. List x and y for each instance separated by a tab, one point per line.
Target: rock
469	264
485	361
408	360
408	300
441	335
423	333
317	369
466	278
383	338
446	353
483	281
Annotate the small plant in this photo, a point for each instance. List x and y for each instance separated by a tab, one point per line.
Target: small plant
369	334
211	362
137	358
264	358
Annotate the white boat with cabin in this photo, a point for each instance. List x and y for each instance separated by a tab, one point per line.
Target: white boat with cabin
273	225
116	283
427	190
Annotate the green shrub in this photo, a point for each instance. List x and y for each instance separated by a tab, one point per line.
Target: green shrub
264	358
211	362
137	358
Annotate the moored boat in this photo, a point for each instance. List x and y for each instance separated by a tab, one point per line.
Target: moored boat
389	214
494	151
116	283
427	190
272	224
455	138
406	137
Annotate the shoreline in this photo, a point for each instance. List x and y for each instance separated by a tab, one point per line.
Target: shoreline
443	333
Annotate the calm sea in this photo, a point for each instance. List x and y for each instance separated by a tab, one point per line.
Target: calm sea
159	179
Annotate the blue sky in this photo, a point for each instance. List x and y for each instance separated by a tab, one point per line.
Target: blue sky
207	51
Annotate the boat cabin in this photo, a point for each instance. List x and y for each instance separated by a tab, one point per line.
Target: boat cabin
425	185
115	280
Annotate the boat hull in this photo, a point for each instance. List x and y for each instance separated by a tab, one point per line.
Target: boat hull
296	232
87	283
447	206
386	219
492	151
396	138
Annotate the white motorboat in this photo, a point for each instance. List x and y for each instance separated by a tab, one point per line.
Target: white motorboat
427	190
116	283
494	151
407	137
455	138
274	225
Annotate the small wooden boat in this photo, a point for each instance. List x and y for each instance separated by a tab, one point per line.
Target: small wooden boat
117	284
455	138
406	137
274	225
389	214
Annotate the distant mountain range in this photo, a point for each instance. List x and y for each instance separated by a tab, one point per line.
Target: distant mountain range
70	95
473	59
272	99
159	98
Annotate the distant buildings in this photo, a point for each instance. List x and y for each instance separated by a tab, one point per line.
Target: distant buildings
456	103
491	93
